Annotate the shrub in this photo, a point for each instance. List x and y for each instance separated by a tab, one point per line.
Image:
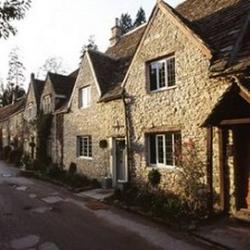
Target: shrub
27	162
6	152
154	177
15	156
72	168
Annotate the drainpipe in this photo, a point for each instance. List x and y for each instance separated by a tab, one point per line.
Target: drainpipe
127	133
210	168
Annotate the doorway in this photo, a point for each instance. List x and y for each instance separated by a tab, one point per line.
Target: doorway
242	165
120	160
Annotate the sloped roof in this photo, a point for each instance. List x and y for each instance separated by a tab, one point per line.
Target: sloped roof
111	67
7	111
62	84
38	86
220	23
230	106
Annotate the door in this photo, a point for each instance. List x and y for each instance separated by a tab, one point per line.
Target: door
120	160
242	153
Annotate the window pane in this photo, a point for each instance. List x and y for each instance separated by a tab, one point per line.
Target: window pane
171	71
169	149
90	146
162	72
160	147
152	149
153	76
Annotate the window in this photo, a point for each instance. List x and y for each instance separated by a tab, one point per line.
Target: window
84	97
162	74
47	104
30	111
84	146
164	149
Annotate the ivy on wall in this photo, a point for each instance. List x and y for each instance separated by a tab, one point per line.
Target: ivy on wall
44	123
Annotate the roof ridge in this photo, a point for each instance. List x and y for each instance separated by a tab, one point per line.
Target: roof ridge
103	54
135	29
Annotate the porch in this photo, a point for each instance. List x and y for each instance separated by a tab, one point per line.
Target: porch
231	119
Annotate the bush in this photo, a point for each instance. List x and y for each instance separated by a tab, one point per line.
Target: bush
72	168
15	157
6	152
154	177
27	162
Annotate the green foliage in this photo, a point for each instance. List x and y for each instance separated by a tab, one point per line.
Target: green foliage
72	168
16	156
91	44
154	177
126	23
192	177
6	153
164	205
11	10
44	122
140	18
27	162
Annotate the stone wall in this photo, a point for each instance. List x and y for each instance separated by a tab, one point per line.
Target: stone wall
102	121
184	107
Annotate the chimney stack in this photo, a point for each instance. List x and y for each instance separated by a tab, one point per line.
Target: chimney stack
116	33
32	76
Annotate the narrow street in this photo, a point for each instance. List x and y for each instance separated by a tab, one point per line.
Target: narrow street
39	215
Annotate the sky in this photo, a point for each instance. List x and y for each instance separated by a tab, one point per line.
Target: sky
59	28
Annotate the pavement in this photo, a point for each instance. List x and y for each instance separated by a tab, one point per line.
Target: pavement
36	215
228	233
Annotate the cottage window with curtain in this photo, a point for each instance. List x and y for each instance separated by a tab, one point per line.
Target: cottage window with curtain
85	97
47	104
164	149
162	74
84	146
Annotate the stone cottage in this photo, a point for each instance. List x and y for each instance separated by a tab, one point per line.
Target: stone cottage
30	115
191	72
11	124
56	92
94	122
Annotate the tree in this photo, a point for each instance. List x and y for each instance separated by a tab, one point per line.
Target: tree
140	18
15	80
125	23
53	65
90	45
11	10
16	69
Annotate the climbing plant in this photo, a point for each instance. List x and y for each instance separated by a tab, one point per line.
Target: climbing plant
44	122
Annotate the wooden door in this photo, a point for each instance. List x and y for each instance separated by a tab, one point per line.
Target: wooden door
121	171
242	159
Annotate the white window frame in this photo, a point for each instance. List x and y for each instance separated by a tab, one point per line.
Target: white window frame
47	102
81	155
85	99
157	62
164	164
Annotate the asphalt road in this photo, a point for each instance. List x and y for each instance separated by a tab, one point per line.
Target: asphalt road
39	215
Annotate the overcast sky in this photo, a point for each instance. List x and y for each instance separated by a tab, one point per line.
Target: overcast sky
59	28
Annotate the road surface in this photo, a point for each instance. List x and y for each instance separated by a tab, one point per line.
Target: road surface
39	215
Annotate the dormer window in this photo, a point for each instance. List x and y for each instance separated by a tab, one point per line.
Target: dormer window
85	97
30	111
47	108
162	74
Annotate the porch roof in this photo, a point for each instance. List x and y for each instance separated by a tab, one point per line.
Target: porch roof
233	104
